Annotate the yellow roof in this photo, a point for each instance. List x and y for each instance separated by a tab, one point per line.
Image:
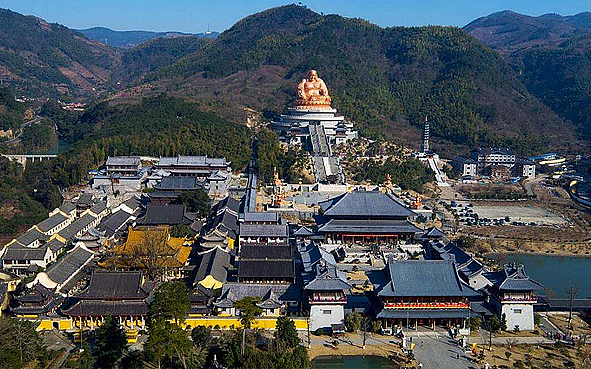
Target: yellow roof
176	252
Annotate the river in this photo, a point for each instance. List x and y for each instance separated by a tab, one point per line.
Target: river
351	362
556	272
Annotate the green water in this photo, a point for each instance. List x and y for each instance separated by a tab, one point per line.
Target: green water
556	272
352	362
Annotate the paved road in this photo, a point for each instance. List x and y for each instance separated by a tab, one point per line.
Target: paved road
438	351
35	120
548	326
55	341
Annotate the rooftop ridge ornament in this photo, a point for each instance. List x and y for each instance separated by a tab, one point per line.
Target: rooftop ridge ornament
313	93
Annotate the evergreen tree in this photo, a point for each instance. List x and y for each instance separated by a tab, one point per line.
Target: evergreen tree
171	301
286	333
248	310
111	343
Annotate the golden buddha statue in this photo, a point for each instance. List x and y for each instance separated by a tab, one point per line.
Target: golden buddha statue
312	92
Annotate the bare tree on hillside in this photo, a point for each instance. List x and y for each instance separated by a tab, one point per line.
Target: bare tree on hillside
571	293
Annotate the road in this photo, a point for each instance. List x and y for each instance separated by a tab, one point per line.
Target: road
22	127
55	341
437	350
529	183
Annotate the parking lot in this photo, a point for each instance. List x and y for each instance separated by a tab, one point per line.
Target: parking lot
508	215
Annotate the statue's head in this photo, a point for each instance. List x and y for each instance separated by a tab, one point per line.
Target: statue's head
312	75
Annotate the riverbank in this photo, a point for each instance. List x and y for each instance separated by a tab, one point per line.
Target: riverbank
491	242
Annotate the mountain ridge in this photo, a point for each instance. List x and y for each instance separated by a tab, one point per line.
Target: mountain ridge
550	53
38	58
388	85
131	38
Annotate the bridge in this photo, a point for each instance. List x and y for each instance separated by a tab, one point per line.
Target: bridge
559	304
23	158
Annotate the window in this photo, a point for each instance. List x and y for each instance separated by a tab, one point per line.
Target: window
517	311
326	312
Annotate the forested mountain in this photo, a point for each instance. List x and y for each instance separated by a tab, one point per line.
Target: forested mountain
133	38
39	59
386	80
11	111
551	54
508	31
157	126
154	54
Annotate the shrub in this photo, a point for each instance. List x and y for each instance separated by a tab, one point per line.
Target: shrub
376	326
353	322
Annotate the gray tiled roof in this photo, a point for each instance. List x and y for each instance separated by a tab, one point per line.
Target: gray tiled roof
303	231
192	160
18	252
362	226
365	204
261	216
123	160
229	202
37	293
423	278
51	222
133	203
164	194
115	285
328	278
68	207
434	232
114	222
423	313
263	230
265	252
170	214
215	263
466	265
100	308
61	271
471	268
266	269
55	245
85	199
513	278
70	232
283	292
313	254
30	237
99	207
179	184
269	300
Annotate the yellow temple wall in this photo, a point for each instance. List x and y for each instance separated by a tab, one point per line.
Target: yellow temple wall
229	323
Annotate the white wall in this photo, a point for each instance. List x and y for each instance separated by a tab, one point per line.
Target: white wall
318	318
519	314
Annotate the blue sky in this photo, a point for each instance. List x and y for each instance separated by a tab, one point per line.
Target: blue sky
195	15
